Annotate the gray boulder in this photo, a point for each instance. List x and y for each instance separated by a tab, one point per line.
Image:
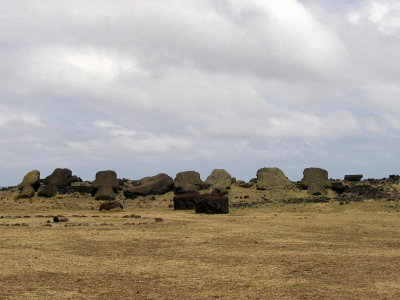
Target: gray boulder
154	185
270	178
219	181
29	184
105	185
188	181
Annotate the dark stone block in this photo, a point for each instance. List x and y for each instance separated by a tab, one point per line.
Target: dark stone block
212	204
353	177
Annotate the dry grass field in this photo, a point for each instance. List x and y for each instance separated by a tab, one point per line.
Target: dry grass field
274	251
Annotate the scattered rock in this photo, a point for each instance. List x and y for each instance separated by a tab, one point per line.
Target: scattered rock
220	181
157	220
105	185
111	205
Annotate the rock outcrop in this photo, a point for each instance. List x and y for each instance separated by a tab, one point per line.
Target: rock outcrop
271	178
188	181
154	185
219	181
29	184
105	185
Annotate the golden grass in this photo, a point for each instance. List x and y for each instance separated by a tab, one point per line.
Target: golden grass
298	251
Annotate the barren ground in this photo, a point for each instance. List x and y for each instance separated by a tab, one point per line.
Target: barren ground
275	251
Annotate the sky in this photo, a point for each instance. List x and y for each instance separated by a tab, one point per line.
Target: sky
149	86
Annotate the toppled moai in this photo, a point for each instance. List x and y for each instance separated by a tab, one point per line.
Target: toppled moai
29	184
105	185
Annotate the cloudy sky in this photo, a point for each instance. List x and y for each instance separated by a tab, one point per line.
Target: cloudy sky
149	86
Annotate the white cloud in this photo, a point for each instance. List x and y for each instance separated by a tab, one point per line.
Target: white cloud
205	82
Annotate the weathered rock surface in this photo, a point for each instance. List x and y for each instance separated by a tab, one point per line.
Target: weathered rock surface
219	181
105	185
188	181
338	186
353	177
315	180
212	204
82	187
314	175
154	185
58	181
270	178
59	178
109	205
244	184
47	191
316	189
184	201
29	184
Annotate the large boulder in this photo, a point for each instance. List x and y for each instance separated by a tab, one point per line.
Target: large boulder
212	204
315	179
109	205
219	181
188	181
29	184
270	178
105	185
185	201
154	185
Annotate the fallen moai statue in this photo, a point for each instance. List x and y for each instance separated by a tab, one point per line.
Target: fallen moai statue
29	184
105	185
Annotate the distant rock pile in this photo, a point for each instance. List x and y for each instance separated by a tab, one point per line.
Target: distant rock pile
215	194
